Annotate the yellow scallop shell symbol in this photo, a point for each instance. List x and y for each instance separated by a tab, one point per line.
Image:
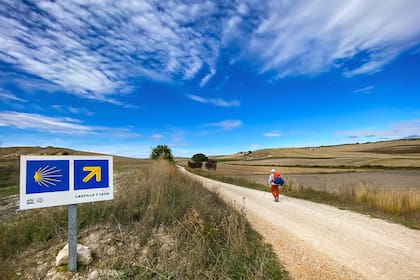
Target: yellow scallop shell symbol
47	176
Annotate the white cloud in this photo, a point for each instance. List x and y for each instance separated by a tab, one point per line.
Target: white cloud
274	133
58	125
227	124
92	49
215	101
26	83
367	89
197	98
206	78
10	96
96	49
301	37
394	130
44	123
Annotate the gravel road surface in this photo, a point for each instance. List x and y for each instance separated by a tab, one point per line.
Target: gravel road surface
316	241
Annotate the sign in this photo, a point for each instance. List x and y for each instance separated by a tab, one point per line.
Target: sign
63	180
90	174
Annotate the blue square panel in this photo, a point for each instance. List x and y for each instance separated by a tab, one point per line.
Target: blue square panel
47	176
90	174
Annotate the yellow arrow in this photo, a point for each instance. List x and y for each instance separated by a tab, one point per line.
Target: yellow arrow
93	171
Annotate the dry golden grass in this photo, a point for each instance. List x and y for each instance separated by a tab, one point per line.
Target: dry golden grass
389	201
160	225
398	206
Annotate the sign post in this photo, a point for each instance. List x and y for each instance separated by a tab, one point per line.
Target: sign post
47	181
72	236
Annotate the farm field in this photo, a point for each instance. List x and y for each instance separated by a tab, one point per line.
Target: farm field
397	180
391	165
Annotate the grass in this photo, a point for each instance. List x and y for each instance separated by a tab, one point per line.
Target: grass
9	179
391	202
9	190
398	207
167	227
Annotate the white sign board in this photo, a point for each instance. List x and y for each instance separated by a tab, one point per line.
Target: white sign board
62	180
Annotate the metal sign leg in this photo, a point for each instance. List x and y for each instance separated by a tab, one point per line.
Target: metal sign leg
72	236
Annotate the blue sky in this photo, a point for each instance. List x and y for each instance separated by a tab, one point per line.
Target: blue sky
213	77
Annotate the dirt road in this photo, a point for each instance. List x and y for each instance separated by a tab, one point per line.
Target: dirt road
316	241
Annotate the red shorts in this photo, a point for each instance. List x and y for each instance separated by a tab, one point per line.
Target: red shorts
275	190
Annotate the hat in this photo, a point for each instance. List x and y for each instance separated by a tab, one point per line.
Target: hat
272	170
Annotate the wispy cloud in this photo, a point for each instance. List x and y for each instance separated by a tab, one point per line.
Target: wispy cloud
73	110
27	83
366	90
394	130
274	133
10	96
227	124
206	78
215	101
58	125
44	123
97	49
157	136
92	49
358	37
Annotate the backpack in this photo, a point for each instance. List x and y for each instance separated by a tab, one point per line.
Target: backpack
277	179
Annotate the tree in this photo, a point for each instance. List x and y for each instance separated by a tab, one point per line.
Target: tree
162	152
199	157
